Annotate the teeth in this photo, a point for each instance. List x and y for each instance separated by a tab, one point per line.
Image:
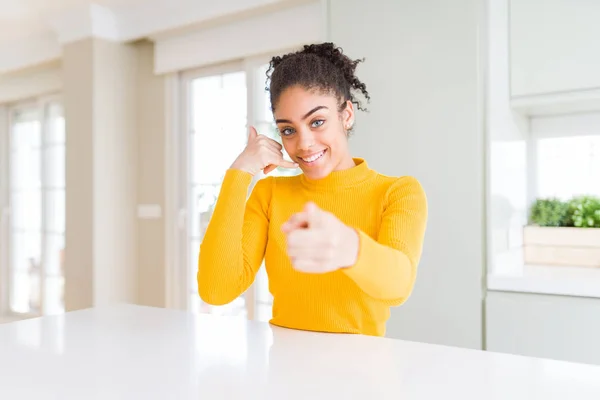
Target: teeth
314	158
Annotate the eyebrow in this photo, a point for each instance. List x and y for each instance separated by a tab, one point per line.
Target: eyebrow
308	114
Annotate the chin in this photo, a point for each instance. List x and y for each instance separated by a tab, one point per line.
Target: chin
318	169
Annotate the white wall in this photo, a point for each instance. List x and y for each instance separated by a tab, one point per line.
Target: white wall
260	34
557	327
115	144
423	72
151	182
100	95
582	124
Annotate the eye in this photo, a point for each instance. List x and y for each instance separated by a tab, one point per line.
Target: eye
286	131
317	123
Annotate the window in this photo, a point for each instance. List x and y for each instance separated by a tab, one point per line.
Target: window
568	166
218	119
35	216
220	104
555	156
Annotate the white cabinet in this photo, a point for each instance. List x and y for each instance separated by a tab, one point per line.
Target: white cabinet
554	46
556	327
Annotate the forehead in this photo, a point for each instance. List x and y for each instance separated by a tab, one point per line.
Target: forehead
294	102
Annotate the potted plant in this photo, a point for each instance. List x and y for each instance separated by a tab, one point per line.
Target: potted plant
563	232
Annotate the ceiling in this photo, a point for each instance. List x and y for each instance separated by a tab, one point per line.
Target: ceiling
25	18
33	31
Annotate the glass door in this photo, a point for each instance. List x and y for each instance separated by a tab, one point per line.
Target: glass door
217	133
36	212
25	228
220	105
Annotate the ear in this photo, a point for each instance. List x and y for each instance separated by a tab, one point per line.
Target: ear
348	115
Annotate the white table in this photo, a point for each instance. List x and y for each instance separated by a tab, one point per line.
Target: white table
130	352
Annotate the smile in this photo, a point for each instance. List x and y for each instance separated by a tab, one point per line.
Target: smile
313	158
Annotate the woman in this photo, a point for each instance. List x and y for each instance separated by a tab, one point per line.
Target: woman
341	242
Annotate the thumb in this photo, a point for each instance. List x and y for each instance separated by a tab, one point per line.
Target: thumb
252	134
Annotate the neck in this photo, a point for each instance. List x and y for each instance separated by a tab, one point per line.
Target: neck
347	163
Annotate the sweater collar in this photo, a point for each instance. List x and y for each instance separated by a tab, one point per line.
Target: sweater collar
342	178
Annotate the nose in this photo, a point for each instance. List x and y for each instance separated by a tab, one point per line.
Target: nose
306	139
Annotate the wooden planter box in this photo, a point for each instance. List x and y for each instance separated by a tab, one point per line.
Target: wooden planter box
562	246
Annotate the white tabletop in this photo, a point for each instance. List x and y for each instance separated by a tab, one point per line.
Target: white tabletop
130	352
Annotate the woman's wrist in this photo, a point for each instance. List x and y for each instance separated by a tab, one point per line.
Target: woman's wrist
241	167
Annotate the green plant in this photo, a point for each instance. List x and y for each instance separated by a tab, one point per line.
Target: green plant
580	212
584	212
549	212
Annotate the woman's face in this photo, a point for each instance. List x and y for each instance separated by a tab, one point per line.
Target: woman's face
313	131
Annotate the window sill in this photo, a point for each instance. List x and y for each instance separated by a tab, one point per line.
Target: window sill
509	274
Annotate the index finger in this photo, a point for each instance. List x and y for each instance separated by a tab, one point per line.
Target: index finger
286	164
252	133
296	221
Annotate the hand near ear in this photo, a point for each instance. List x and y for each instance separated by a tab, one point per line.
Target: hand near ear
318	242
261	153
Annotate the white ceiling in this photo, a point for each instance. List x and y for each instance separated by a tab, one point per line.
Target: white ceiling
27	8
25	18
33	31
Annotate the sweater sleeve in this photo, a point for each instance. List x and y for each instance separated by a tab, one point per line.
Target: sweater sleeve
233	246
386	266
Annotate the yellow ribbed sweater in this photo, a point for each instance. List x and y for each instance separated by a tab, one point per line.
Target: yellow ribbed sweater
389	214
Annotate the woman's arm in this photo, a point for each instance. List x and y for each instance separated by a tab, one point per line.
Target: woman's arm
233	246
386	266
